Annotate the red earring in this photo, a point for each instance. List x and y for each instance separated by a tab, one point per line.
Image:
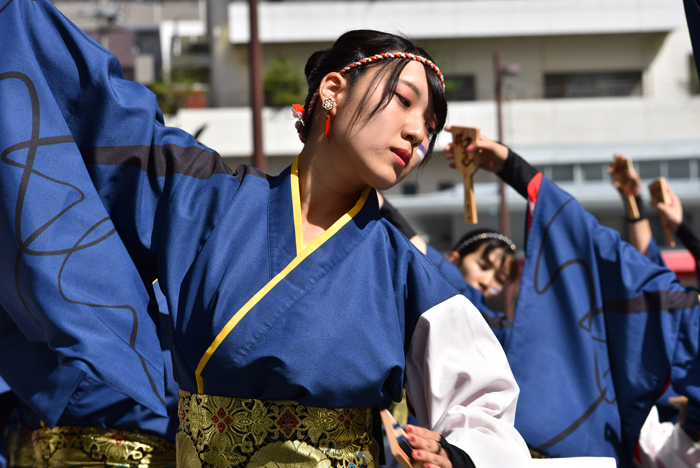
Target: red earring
328	104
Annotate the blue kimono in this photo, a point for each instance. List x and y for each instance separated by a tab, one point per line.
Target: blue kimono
588	298
93	183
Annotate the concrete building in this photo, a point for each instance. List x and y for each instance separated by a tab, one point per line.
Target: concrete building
596	78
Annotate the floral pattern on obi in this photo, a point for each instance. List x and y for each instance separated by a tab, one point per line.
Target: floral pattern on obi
221	432
71	446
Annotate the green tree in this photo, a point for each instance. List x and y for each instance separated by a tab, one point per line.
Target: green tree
284	83
171	91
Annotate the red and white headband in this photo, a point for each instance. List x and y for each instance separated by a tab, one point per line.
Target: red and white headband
301	114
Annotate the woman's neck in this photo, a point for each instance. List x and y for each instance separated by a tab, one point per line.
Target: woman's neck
327	190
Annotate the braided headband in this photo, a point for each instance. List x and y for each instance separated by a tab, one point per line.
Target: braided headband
486	235
301	114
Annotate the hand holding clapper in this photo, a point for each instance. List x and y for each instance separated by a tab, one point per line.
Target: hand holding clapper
659	194
620	171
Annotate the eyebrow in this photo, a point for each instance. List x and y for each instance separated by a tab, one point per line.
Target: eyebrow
412	86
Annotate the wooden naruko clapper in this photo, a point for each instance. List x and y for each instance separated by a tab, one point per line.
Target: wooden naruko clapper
659	194
468	163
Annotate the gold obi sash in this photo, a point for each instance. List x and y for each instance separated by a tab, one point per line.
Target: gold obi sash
20	451
221	432
73	446
535	454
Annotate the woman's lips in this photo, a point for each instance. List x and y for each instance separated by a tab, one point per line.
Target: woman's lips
401	155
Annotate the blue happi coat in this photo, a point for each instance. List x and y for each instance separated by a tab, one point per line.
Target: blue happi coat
598	332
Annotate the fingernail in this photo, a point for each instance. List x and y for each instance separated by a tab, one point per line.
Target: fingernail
470	148
417	453
412	438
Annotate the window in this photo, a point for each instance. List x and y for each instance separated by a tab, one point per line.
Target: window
545	170
409	189
460	88
563	173
678	169
649	169
581	85
591	172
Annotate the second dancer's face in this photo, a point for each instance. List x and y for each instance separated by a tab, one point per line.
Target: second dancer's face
385	148
486	272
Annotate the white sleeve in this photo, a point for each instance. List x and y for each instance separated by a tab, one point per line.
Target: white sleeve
460	384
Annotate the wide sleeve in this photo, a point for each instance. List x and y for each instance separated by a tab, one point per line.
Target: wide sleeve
460	385
88	183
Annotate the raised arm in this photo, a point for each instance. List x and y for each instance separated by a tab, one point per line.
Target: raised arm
680	225
638	230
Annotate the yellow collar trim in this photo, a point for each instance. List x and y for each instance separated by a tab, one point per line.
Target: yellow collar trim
301	255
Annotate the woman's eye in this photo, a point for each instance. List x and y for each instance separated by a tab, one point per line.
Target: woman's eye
430	129
403	100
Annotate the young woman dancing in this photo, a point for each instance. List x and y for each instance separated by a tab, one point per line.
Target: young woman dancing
295	309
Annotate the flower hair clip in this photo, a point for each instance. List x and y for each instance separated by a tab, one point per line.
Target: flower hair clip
299	114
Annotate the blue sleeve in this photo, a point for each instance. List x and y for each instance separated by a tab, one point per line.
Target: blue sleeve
654	254
605	326
33	372
88	177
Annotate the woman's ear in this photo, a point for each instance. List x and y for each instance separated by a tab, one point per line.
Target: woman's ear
333	86
453	257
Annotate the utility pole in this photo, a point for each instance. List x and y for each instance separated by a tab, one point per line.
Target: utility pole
498	69
217	34
256	88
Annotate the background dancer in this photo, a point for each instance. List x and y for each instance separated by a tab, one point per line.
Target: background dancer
593	316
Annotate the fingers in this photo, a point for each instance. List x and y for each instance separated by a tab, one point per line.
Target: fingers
427	449
493	154
673	212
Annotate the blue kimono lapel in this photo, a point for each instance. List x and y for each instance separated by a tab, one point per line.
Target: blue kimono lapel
249	316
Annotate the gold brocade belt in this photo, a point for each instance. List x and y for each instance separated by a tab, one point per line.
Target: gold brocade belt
221	432
20	450
73	446
535	454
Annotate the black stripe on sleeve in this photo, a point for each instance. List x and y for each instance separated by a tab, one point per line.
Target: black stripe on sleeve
159	160
653	301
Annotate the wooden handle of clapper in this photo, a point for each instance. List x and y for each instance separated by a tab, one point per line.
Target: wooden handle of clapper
468	164
398	453
659	194
631	205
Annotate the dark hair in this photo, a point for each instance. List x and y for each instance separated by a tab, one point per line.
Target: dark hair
490	239
355	45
